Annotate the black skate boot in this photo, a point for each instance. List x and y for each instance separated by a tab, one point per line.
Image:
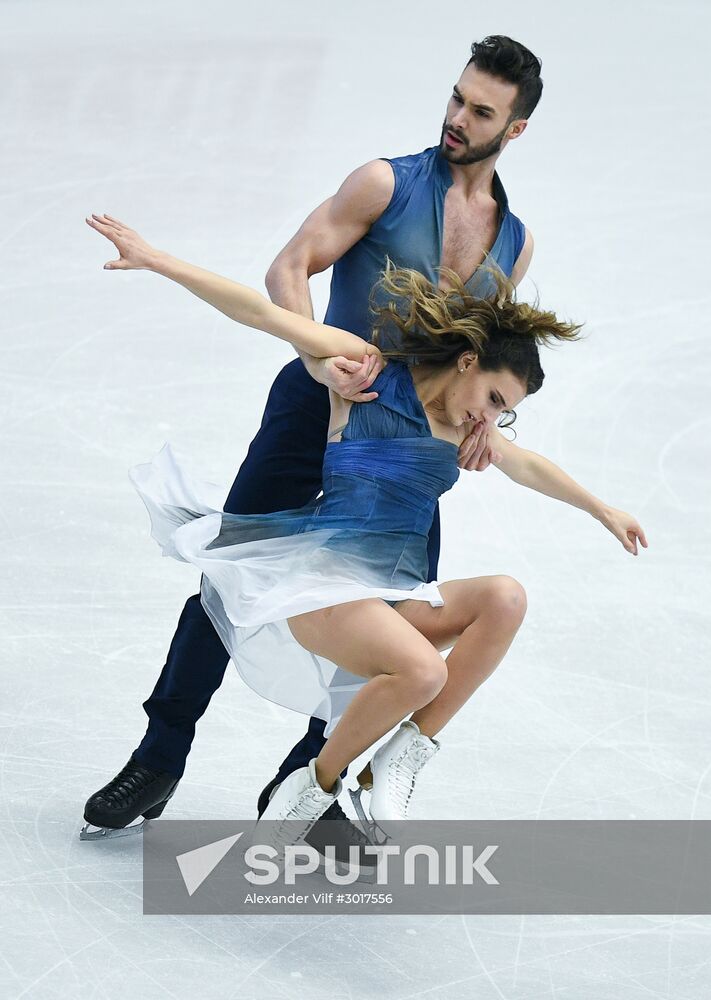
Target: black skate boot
334	828
135	791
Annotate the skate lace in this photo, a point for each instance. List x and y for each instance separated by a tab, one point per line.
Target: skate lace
402	773
307	808
131	779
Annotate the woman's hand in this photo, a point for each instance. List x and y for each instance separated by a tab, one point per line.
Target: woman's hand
624	527
134	252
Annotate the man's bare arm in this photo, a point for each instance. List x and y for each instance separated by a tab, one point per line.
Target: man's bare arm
328	232
523	260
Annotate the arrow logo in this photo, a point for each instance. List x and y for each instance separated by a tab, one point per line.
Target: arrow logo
196	865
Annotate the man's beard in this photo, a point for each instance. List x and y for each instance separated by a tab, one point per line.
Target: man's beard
471	154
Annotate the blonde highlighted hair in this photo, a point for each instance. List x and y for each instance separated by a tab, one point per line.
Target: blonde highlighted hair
418	322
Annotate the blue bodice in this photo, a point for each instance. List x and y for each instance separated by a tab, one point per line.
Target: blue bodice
381	483
387	473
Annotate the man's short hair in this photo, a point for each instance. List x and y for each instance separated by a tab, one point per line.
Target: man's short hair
507	59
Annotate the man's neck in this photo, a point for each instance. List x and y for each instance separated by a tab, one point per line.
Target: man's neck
474	179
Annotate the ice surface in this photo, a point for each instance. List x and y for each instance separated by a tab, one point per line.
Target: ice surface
214	128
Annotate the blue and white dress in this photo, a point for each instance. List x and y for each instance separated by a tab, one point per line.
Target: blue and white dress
364	537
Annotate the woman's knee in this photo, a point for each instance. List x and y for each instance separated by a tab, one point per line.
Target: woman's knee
425	677
506	599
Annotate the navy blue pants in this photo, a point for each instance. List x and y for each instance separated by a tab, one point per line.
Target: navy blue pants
282	470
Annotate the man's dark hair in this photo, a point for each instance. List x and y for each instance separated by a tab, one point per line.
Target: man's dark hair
501	56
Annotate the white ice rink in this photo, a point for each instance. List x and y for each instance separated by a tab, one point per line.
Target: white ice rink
213	128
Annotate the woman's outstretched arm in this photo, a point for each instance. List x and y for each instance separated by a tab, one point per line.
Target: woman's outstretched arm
240	303
538	473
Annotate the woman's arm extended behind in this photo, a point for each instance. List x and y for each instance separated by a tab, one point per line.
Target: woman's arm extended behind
538	473
240	303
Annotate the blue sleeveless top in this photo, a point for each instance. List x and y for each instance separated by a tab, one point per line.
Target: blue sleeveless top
382	481
381	484
409	232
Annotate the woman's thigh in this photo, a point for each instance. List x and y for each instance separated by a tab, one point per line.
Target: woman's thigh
365	637
464	602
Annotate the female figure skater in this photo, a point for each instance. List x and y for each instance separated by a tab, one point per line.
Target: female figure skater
344	576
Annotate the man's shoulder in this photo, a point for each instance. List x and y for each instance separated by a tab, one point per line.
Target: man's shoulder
383	171
411	169
412	160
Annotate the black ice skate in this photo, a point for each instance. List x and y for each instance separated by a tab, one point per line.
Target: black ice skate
135	791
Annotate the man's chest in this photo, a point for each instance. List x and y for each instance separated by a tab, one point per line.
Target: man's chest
469	233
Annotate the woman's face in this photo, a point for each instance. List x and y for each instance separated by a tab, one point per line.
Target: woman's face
475	395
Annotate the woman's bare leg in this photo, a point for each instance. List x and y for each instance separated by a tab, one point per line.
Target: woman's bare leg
370	639
397	649
480	618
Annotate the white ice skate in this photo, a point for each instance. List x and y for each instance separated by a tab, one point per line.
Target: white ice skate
298	802
390	777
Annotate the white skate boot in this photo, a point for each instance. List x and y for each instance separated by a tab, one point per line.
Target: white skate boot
390	776
297	803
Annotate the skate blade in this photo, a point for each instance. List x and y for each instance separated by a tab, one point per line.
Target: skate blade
375	832
89	832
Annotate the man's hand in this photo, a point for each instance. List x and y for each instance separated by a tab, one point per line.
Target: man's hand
349	379
476	452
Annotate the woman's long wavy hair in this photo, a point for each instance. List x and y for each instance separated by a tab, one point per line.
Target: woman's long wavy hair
419	323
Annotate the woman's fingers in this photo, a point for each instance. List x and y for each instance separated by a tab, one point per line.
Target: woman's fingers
113	235
101	227
636	534
628	539
105	221
630	533
624	527
116	221
108	220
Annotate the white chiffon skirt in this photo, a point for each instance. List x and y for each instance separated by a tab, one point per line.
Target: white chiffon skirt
259	570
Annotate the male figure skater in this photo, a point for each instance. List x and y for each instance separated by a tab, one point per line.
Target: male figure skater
445	206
